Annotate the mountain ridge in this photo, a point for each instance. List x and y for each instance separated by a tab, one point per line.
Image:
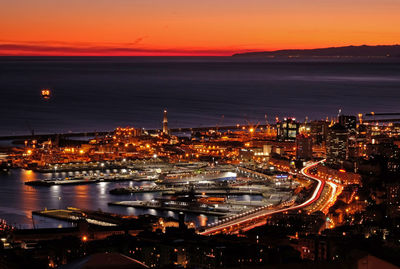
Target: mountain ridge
387	51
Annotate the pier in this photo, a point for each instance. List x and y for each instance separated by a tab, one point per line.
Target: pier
90	179
230	191
75	215
176	208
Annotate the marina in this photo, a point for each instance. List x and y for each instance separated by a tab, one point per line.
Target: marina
97	195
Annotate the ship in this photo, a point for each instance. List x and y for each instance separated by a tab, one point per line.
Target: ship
46	94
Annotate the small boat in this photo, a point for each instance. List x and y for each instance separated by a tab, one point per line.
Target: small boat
4	166
46	93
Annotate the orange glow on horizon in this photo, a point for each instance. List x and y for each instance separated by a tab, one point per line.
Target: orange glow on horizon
192	28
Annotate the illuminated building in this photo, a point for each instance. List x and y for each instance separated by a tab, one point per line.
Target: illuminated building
165	123
393	199
336	145
304	147
287	130
319	131
349	122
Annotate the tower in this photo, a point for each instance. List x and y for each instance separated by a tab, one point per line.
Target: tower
336	145
165	129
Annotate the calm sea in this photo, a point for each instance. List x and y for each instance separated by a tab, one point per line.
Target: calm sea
101	93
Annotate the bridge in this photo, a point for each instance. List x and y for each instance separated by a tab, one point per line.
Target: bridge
321	199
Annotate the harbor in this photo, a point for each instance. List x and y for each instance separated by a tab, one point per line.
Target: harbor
135	172
97	195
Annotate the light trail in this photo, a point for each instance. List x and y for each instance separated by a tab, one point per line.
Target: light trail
254	216
335	189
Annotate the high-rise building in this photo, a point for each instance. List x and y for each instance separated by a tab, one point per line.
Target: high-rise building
319	131
287	130
165	123
336	145
304	147
393	201
350	122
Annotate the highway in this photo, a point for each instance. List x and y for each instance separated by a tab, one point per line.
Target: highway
257	217
329	197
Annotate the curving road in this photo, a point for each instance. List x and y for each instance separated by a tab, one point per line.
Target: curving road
256	217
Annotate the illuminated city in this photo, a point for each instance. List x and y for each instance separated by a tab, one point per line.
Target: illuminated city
311	169
200	134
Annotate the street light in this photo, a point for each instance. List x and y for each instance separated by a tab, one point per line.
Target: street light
102	167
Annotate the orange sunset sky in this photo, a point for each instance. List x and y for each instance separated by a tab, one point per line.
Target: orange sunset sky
186	27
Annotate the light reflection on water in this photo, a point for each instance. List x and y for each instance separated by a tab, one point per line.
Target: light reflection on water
17	200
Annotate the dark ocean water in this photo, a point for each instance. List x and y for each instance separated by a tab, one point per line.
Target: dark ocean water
102	93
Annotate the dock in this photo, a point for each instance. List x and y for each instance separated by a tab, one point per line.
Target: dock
93	217
158	206
130	190
75	215
48	183
86	180
214	192
183	191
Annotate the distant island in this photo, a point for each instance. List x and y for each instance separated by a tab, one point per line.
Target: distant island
391	51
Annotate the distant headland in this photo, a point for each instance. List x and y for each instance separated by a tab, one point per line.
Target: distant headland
392	51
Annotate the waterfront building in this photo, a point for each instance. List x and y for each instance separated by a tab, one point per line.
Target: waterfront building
287	130
336	145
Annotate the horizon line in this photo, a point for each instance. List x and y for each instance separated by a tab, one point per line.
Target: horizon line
60	49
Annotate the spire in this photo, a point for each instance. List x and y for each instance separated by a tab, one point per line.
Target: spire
165	123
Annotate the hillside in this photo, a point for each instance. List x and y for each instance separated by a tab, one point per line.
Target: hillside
349	51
